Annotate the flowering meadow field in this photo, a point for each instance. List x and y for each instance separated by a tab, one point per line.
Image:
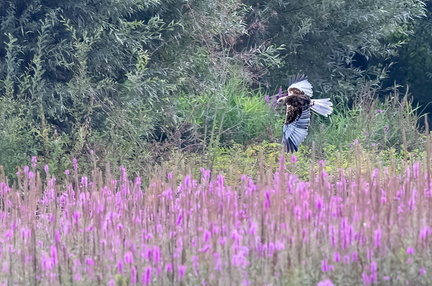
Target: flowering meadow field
358	226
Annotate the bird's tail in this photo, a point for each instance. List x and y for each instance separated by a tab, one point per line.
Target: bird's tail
322	106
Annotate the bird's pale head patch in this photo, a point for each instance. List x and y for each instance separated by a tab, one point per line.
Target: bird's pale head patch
282	100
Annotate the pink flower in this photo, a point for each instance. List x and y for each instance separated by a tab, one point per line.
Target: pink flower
377	238
324	266
120	266
128	257
147	276
336	257
89	261
133	275
5	266
76	216
410	250
386	129
182	271
326	282
179	219
54	254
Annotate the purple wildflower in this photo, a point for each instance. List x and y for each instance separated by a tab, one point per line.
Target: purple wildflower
377	238
326	282
386	129
410	250
182	271
128	257
324	265
89	261
147	276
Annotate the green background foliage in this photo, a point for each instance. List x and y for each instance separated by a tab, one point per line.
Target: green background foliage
137	81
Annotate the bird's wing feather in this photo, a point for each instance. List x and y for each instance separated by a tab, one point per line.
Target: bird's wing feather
301	83
297	78
295	133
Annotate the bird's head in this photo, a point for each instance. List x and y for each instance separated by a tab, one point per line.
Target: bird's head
282	100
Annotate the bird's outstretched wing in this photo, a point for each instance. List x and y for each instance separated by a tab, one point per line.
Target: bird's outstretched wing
295	129
300	85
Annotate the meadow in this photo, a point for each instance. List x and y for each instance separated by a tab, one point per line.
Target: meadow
361	225
139	143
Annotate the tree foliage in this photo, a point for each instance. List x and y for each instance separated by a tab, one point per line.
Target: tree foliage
335	42
413	63
82	66
115	76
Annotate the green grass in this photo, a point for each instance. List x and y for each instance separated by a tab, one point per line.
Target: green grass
233	114
377	124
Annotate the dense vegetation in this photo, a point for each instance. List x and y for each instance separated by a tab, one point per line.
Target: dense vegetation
138	81
181	94
366	224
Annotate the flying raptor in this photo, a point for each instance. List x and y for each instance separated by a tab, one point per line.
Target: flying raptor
298	104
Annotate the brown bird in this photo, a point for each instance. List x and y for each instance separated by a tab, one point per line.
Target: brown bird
298	104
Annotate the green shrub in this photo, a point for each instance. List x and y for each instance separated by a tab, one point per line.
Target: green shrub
17	142
379	125
376	131
233	114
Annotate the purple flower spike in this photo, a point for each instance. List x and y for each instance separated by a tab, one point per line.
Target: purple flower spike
386	129
280	93
75	164
324	266
147	276
182	271
179	219
128	257
377	238
410	250
89	261
133	275
326	282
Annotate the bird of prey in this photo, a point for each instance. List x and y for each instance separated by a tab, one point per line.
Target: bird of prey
298	104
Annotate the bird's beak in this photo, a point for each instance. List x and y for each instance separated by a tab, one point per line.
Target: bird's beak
281	100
